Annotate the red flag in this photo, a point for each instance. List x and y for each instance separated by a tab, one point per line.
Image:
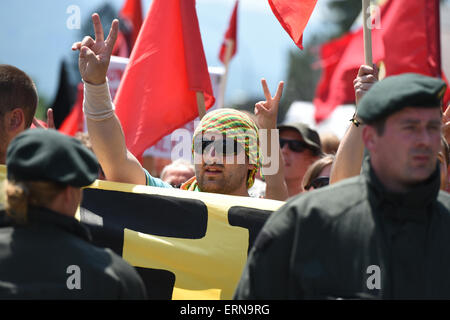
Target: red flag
293	16
74	122
157	93
231	34
131	17
407	41
331	87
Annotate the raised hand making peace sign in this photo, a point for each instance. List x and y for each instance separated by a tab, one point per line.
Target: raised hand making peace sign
267	111
94	57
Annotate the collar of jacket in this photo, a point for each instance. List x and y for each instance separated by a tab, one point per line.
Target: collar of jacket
411	205
40	215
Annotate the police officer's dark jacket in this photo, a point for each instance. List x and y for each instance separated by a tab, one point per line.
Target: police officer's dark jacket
50	257
354	240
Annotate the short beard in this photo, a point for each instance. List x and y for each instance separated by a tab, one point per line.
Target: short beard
222	187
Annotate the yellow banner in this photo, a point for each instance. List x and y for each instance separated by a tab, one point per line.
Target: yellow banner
199	265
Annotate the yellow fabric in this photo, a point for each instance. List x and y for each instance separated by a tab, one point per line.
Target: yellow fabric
207	268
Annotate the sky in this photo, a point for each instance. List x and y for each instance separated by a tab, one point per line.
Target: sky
35	38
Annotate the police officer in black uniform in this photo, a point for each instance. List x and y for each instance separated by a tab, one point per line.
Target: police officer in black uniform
45	253
383	234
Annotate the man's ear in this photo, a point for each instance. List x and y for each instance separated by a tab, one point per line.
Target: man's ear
15	120
369	137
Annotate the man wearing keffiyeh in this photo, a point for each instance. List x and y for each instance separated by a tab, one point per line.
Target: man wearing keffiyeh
224	172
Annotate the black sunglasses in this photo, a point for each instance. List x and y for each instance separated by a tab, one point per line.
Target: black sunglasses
295	145
318	182
222	147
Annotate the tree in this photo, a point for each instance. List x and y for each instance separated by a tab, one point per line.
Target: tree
43	105
302	77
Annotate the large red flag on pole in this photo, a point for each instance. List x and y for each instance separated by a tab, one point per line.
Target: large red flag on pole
166	74
407	40
293	16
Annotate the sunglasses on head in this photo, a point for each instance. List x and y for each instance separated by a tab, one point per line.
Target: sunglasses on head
222	147
318	182
294	145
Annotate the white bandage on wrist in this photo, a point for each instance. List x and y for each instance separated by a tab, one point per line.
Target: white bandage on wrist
97	104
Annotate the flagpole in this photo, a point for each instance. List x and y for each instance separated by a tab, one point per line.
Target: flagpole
228	53
438	35
201	104
367	33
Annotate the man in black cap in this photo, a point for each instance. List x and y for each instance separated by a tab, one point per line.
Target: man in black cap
45	253
383	234
301	147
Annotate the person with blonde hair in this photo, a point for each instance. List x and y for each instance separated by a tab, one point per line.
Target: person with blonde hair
45	253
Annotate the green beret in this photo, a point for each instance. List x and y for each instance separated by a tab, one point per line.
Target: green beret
397	92
47	155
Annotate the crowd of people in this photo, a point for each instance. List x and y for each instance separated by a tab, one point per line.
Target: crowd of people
376	198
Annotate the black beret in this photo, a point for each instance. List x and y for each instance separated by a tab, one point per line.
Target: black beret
397	92
47	155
